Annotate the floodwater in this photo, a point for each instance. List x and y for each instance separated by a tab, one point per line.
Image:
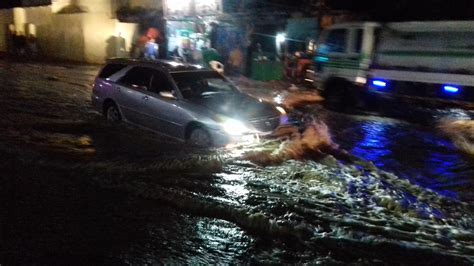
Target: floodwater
418	152
78	191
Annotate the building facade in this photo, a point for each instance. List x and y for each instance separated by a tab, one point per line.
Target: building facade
78	30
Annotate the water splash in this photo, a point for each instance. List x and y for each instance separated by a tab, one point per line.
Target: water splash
461	132
314	142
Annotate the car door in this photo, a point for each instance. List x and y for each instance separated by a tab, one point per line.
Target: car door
164	113
133	87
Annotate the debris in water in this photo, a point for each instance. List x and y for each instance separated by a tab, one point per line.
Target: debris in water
461	132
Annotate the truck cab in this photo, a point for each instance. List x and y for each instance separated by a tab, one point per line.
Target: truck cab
430	62
344	54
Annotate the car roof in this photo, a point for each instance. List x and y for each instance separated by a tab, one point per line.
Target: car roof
168	65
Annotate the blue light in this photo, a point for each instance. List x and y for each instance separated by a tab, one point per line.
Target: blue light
379	83
451	89
322	59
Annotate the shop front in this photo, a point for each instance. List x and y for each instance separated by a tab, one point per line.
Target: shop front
190	28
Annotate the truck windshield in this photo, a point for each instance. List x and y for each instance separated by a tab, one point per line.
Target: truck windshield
201	83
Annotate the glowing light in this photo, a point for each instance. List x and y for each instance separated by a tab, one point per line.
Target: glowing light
361	80
234	127
322	59
230	146
451	89
278	99
175	64
280	37
206	3
379	83
182	5
281	110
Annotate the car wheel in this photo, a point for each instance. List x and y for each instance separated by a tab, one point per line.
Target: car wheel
112	114
200	137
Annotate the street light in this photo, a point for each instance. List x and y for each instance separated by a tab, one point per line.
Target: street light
280	38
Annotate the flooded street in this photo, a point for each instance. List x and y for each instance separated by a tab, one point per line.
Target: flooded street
76	190
414	151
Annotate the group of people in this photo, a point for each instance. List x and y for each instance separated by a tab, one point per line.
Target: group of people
189	51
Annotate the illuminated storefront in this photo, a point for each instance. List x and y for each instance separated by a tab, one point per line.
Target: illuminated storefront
189	8
189	26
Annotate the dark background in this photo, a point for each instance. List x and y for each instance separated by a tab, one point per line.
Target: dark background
15	3
380	10
396	10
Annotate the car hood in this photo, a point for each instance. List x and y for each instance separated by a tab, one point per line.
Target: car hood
237	105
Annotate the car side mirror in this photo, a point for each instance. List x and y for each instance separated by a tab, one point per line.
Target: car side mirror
167	94
217	66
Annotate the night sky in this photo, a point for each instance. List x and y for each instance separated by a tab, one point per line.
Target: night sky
381	10
393	10
388	10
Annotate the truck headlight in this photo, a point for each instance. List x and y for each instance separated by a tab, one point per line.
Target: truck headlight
234	127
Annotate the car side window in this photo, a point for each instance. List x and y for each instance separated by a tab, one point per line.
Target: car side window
138	78
110	69
160	82
336	42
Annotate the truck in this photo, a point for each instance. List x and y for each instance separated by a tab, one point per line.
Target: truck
431	61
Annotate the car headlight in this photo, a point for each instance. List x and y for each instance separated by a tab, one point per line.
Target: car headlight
281	110
234	127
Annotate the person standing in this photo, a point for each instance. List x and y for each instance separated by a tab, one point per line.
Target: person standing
236	59
151	49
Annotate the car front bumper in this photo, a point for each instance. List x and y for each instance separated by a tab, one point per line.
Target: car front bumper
221	138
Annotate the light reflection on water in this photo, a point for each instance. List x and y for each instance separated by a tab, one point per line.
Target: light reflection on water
234	186
411	151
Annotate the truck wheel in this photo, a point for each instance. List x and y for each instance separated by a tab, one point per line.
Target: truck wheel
335	93
342	96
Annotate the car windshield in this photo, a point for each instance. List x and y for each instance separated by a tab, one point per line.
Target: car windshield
201	83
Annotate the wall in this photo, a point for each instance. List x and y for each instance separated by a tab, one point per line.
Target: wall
57	5
156	4
89	37
128	31
38	15
90	6
95	6
97	32
6	18
64	38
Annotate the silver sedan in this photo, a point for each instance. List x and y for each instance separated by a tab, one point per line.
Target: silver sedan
186	102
